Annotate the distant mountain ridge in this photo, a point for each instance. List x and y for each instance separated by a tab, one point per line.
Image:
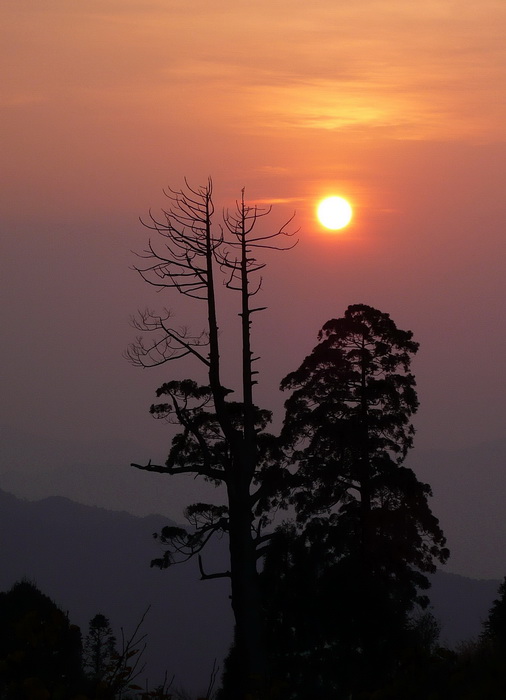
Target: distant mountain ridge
91	560
461	604
96	472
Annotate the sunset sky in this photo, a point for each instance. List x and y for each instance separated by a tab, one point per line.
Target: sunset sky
398	106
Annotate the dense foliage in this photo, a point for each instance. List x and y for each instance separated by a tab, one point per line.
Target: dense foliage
42	656
342	581
40	651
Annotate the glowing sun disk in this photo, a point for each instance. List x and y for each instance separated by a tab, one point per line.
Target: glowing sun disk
334	213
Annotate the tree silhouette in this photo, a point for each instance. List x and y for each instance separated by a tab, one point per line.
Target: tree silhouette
495	625
344	579
99	647
221	440
112	671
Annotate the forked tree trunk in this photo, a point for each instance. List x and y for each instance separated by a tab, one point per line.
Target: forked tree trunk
188	265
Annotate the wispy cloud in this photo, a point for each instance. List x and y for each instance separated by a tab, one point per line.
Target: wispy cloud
234	71
431	70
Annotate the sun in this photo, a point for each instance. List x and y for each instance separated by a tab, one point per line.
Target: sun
334	213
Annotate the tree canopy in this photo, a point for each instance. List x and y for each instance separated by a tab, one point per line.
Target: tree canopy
344	578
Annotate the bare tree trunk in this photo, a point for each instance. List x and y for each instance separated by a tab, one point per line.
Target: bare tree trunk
246	602
251	669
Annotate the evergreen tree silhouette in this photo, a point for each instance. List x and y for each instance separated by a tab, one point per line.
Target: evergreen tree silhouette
341	581
99	647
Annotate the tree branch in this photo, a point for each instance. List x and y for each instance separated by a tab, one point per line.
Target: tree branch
151	467
204	576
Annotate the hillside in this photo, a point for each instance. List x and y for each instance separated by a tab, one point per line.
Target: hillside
93	560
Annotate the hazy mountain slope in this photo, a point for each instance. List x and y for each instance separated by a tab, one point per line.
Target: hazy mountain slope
97	472
469	486
461	604
92	560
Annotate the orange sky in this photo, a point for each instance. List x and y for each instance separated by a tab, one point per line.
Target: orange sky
279	96
399	106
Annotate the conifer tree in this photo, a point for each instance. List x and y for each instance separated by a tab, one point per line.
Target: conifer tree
344	578
99	648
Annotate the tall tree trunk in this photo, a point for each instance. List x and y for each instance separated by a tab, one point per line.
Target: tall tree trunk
250	673
364	470
246	600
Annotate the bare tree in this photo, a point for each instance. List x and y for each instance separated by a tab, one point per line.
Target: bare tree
221	440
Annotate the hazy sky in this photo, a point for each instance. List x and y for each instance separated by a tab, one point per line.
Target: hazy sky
398	106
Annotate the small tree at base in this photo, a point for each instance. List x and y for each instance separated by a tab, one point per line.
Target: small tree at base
99	648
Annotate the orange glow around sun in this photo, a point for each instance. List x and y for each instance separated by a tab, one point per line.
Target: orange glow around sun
334	213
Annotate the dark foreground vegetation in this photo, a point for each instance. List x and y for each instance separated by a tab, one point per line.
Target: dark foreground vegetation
44	656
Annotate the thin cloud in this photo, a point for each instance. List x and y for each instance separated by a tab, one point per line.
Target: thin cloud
272	170
418	70
279	200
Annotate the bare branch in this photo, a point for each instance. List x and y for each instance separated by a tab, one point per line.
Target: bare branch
183	263
151	467
204	576
169	343
127	666
212	680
